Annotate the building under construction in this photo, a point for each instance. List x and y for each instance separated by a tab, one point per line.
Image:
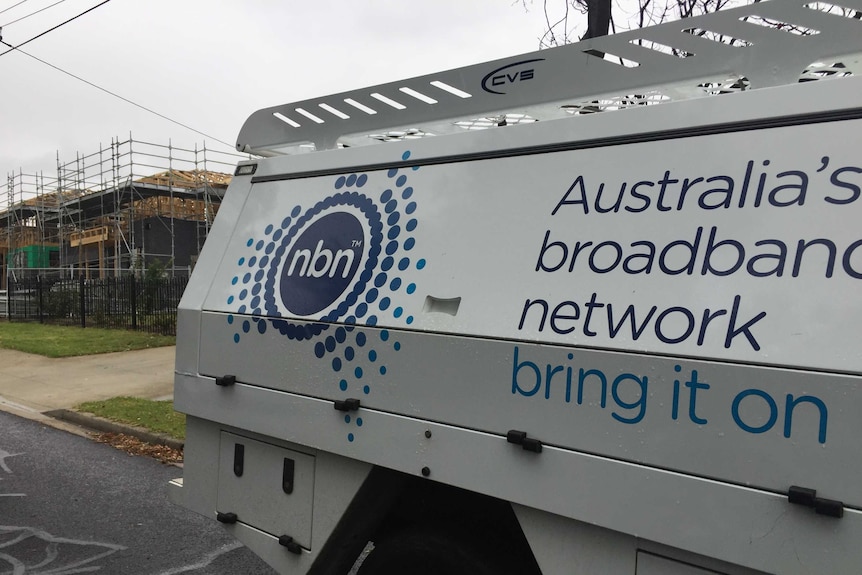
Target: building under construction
113	212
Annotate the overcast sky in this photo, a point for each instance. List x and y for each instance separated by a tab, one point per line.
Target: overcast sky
211	63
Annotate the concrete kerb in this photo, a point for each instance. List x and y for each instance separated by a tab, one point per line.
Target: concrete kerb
44	389
106	426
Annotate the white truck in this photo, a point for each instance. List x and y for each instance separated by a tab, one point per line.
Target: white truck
616	331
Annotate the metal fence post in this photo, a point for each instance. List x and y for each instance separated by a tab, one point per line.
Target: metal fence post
41	301
8	291
134	301
81	293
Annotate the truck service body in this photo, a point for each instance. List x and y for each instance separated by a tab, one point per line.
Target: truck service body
620	342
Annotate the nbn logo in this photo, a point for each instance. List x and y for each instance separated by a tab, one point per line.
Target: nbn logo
322	263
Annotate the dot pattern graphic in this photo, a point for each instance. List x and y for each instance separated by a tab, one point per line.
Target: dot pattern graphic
380	294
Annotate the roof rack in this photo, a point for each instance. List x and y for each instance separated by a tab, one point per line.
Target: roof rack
755	46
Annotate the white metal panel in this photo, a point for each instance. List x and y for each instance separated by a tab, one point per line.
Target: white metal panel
649	564
540	83
200	282
744	106
738	246
337	479
734	524
257	495
769	428
479	233
562	546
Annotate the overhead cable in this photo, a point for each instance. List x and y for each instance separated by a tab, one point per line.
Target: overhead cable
115	95
12	6
61	24
7	24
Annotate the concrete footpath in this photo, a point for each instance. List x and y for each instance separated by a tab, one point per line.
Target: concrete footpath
46	389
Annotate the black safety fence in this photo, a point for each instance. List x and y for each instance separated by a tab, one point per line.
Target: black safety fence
128	302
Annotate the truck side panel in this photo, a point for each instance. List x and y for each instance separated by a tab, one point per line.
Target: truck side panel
735	246
681	511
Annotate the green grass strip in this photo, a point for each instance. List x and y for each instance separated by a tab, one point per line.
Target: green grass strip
64	341
156	416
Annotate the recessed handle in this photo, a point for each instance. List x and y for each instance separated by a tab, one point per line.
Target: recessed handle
448	306
287	474
238	459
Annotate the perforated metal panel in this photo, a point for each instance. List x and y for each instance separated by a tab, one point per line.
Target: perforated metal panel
760	45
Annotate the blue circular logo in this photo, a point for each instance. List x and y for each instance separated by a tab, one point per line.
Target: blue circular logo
325	259
322	263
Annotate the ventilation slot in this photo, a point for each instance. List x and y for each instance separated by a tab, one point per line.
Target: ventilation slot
664	49
286	120
309	115
616	103
495	121
451	89
398	135
835	10
334	111
716	37
619	60
358	106
781	26
727	86
821	71
418	95
388	101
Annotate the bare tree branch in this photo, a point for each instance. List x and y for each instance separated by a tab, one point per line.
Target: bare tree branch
601	19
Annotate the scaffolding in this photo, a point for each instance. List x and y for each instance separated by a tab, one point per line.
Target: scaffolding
113	212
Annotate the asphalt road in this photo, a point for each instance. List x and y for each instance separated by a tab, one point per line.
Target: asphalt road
70	505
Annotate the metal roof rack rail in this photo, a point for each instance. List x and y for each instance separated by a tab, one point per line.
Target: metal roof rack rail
754	46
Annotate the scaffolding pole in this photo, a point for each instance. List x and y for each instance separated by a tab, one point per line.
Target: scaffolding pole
90	216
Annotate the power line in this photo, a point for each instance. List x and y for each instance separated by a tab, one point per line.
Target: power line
114	94
7	24
128	101
37	36
12	6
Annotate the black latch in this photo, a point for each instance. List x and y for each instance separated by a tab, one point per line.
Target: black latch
532	444
347	404
526	443
292	546
829	507
516	437
226	380
229	518
808	498
802	496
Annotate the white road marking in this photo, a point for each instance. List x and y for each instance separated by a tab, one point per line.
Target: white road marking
206	561
53	548
3	456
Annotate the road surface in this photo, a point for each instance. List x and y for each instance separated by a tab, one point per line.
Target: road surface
70	505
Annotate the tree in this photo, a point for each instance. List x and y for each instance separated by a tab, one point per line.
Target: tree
598	17
603	16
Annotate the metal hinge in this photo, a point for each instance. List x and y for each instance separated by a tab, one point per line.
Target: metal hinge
350	404
526	443
808	498
225	380
292	546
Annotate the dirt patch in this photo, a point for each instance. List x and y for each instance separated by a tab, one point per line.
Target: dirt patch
134	446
